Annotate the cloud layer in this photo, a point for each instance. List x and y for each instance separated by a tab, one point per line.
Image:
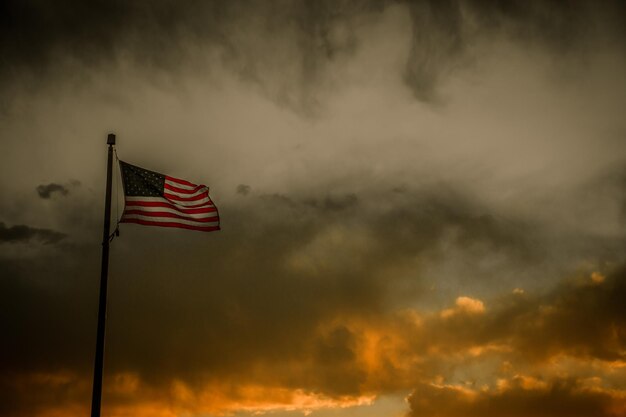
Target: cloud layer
351	279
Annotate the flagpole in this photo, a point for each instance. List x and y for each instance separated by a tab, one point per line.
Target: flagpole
96	397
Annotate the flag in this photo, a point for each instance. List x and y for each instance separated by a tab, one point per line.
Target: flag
154	199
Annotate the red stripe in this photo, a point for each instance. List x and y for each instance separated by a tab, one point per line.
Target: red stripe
172	215
182	190
171	224
194	198
178	180
208	209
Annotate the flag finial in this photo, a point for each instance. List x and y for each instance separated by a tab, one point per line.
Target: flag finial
111	139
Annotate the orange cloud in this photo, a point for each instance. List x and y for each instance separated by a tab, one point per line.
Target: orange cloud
522	352
465	305
125	395
520	396
597	277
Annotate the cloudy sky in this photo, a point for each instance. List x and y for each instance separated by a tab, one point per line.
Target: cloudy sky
423	208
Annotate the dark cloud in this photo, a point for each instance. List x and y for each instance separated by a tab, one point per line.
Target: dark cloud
537	328
243	189
24	233
49	298
445	31
45	191
568	326
278	292
280	238
334	203
38	37
437	43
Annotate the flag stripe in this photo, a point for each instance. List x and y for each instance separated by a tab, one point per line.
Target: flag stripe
200	213
167	219
165	212
132	198
179	183
193	204
185	204
183	192
194	198
166	204
169	224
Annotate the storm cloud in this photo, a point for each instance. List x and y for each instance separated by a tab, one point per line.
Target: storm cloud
338	271
24	233
45	191
39	38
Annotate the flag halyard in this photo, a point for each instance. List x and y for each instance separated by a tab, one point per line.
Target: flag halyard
154	199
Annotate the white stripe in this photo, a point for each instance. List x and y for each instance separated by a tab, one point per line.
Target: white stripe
179	185
176	193
170	220
206	201
173	211
181	204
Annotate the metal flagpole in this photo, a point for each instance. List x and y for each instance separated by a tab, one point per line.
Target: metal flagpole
96	397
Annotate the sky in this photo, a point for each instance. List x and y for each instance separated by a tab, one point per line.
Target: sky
423	208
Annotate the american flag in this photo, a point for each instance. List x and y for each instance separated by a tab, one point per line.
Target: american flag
154	199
